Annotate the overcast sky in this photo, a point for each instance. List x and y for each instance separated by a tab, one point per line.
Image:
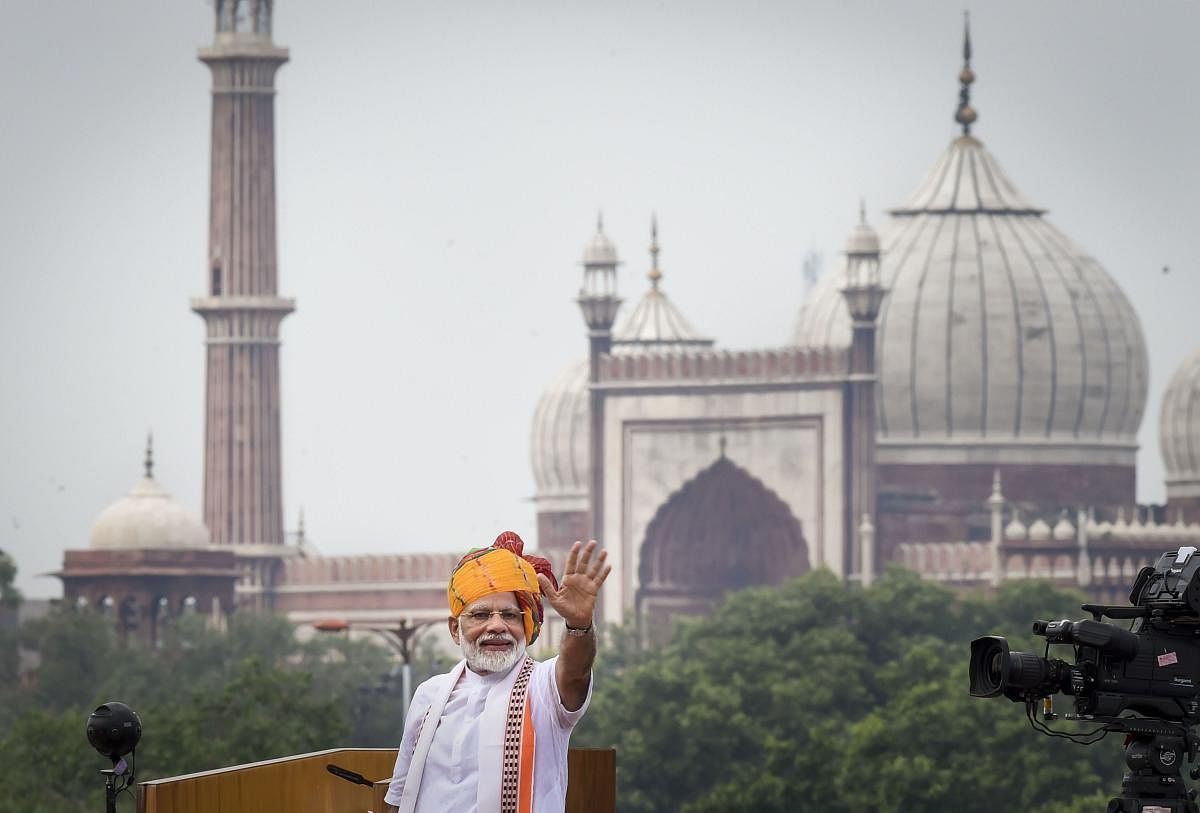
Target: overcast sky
440	166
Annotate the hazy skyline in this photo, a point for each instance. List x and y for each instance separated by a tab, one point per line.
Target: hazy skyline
439	171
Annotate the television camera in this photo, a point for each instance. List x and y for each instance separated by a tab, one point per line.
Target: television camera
1140	681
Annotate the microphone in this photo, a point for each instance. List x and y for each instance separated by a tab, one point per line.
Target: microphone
349	776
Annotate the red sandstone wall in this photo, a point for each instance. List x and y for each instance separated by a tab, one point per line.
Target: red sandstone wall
949	503
1190	506
558	530
336	602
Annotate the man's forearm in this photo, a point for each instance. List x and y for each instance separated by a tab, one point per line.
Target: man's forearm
574	669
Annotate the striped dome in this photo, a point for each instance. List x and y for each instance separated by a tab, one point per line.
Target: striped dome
998	333
1179	429
559	442
655	324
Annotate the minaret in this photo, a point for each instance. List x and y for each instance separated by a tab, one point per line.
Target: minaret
864	295
242	311
598	301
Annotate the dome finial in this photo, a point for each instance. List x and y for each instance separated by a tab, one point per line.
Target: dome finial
862	211
599	221
966	115
655	274
149	462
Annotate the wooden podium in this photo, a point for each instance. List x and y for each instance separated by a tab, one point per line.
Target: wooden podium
301	784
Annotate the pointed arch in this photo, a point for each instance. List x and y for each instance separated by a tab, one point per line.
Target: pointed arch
722	530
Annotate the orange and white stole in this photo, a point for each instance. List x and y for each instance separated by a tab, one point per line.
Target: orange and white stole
506	744
516	772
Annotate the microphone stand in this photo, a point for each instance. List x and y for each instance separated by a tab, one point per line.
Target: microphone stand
110	783
110	790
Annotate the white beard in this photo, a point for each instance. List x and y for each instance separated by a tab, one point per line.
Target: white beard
482	662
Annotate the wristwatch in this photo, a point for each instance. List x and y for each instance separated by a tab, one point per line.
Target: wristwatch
578	632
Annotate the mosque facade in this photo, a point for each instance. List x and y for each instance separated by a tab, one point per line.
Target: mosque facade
1005	376
960	396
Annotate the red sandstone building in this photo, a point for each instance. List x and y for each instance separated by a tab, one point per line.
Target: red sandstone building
967	371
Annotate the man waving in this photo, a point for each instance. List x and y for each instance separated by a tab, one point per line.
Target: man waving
491	735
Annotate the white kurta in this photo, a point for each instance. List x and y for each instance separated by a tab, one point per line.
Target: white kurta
450	781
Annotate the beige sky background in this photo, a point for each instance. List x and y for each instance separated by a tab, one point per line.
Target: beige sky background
440	166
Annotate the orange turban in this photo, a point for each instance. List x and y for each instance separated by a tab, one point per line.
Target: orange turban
502	568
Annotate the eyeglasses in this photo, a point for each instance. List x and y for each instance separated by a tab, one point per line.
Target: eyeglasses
478	618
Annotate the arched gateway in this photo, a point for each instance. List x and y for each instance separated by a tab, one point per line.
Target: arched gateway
721	531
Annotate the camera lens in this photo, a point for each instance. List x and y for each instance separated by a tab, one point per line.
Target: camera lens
993	668
1026	670
996	668
989	665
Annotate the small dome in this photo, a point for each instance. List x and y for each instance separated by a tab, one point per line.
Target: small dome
1064	531
1179	429
862	239
1039	531
559	442
147	517
655	324
600	250
1015	530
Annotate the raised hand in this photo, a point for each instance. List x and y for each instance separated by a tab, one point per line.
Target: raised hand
575	598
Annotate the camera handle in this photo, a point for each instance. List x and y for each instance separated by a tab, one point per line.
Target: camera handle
1121	612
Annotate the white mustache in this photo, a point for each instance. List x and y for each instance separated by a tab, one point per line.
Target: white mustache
503	638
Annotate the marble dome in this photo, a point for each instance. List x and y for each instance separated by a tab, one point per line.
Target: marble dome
997	334
147	517
559	442
1179	429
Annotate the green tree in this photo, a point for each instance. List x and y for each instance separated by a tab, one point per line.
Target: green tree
813	696
207	698
10	601
263	712
10	596
49	748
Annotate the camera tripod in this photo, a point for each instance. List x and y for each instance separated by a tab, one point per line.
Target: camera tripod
1155	751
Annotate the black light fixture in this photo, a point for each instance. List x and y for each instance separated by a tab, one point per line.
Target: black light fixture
114	730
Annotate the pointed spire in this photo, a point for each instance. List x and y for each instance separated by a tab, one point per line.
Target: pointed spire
149	462
966	115
655	274
599	221
862	211
996	499
300	527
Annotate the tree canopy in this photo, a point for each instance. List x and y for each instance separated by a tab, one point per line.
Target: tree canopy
810	696
207	699
816	696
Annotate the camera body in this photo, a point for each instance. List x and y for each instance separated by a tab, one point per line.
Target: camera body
1153	668
1150	669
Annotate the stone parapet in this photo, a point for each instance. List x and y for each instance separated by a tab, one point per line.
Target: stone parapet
785	365
420	568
